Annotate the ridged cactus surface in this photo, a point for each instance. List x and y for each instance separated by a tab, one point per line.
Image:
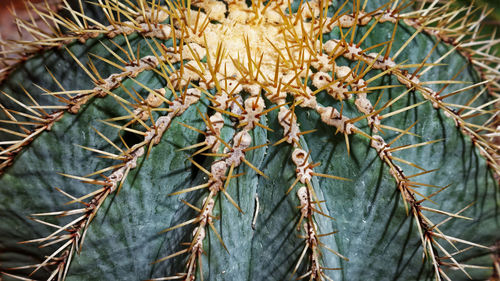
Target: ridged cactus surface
233	140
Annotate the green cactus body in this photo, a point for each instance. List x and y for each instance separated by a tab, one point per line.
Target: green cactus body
268	140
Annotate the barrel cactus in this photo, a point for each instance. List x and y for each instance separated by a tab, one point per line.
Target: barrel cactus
250	140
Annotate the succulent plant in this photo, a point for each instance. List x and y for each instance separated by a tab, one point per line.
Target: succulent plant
250	140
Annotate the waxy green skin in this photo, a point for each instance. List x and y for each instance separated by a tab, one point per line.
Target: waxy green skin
374	230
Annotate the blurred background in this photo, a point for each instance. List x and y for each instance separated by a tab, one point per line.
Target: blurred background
8	29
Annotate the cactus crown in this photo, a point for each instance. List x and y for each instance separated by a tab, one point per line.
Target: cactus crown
262	122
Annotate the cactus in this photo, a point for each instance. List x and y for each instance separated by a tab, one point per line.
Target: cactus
250	140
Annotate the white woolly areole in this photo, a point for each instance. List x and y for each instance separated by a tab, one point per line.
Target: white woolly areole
304	173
